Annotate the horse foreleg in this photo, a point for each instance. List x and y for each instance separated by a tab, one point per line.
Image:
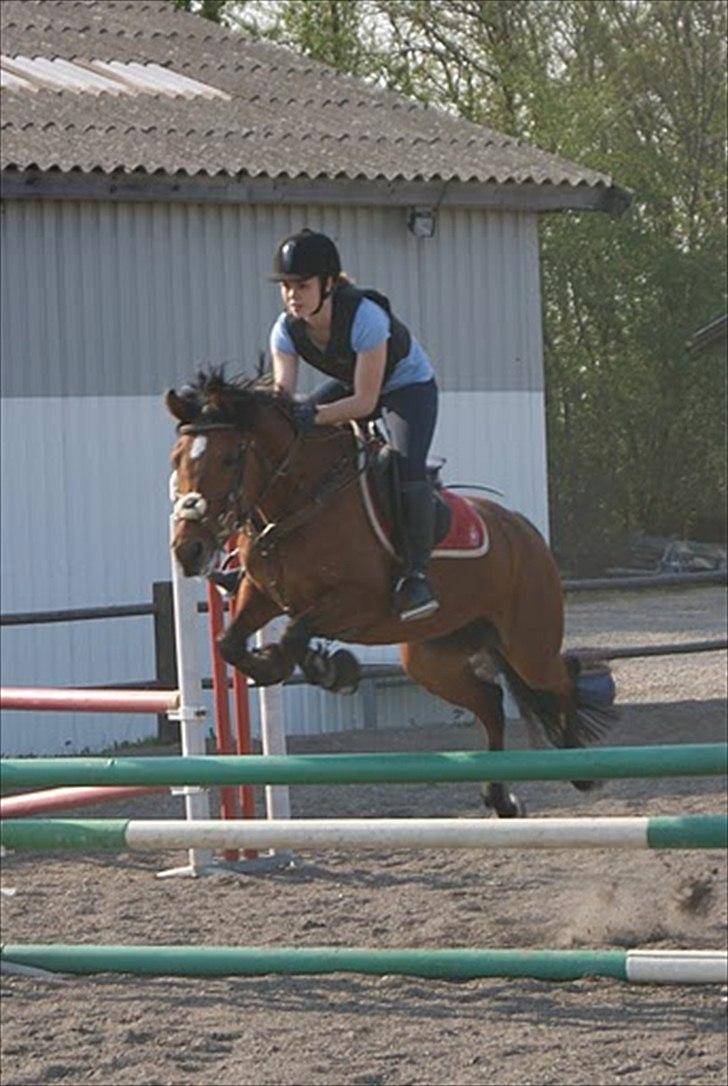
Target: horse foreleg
254	609
443	666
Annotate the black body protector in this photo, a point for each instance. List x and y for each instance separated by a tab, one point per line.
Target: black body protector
413	596
339	359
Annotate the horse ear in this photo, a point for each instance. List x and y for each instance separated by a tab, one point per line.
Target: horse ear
184	409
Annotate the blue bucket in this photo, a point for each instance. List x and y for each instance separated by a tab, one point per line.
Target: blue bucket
596	688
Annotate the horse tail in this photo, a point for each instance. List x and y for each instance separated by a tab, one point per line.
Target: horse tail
590	710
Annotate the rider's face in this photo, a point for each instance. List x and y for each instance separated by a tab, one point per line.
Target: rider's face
301	297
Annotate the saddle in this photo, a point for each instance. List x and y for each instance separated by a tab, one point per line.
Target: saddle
459	530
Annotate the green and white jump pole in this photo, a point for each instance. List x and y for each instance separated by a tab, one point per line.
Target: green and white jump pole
661	832
640	966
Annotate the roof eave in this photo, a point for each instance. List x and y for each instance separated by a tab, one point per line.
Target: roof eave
245	189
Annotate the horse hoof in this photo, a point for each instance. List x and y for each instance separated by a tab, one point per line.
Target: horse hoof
267	666
587	786
508	805
338	672
519	807
347	672
316	667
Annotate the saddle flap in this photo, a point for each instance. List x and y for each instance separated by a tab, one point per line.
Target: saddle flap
459	530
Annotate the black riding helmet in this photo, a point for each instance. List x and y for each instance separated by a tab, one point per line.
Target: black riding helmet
305	255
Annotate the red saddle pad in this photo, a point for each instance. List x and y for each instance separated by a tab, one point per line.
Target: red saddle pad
467	536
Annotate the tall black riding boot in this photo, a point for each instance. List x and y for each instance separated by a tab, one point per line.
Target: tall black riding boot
413	595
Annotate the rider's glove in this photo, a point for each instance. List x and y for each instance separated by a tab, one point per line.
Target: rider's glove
304	415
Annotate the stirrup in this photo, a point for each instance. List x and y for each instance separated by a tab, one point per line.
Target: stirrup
414	598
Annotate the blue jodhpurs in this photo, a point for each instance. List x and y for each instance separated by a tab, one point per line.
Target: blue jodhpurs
409	415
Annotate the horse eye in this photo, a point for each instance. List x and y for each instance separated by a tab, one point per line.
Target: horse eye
230	461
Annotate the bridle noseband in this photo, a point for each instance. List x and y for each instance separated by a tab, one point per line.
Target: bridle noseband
191	506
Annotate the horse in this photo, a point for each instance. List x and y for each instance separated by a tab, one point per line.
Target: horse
244	468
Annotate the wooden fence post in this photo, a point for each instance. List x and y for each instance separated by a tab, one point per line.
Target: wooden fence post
165	657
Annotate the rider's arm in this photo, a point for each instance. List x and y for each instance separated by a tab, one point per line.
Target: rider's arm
285	371
285	358
368	377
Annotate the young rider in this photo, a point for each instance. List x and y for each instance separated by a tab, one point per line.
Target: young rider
374	367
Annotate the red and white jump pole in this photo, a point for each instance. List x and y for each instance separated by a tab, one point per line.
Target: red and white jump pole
79	701
65	699
61	799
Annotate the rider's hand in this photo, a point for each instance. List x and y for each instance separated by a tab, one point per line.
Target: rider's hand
304	415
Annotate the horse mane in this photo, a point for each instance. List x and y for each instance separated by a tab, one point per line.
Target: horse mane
234	401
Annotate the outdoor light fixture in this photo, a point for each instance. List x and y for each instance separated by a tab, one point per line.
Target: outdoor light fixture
421	222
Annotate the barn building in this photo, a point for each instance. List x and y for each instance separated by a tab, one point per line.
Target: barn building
150	163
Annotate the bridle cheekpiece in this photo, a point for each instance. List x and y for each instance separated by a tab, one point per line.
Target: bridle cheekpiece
192	506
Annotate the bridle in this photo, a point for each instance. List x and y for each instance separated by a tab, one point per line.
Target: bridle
193	506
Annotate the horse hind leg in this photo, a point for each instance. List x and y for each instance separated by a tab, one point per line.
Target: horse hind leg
444	668
496	794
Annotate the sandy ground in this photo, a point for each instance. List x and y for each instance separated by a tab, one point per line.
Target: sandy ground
361	1031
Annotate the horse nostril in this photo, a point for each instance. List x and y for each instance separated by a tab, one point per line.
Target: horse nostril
190	555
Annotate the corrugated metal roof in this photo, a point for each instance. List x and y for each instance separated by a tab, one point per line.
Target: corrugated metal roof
286	116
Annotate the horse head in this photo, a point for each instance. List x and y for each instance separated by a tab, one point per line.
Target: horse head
232	437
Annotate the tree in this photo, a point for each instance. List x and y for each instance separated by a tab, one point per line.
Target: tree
213	10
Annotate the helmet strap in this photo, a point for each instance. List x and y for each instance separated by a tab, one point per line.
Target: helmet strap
324	293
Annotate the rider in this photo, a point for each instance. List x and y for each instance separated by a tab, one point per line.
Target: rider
375	367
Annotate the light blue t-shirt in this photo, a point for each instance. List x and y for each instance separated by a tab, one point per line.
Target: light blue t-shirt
369	328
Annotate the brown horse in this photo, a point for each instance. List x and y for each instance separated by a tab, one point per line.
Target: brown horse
309	551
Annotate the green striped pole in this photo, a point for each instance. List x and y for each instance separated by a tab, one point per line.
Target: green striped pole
183	961
709	759
687	831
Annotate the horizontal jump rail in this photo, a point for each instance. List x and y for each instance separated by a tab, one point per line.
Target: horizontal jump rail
77	614
679	648
647	580
639	966
61	799
680	760
689	831
134	610
51	699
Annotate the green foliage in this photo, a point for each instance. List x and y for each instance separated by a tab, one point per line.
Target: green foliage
633	88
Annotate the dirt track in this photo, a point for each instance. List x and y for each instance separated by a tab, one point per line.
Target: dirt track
360	1031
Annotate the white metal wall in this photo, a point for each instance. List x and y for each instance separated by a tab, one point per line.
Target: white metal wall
105	305
120	299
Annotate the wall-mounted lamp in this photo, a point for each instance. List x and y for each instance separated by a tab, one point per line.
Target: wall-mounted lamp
421	222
